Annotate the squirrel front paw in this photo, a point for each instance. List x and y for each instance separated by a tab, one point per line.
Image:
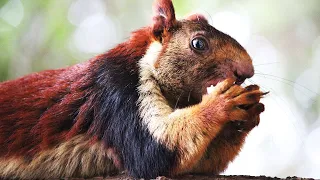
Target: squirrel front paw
231	102
254	111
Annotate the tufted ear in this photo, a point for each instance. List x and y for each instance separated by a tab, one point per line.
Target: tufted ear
164	17
197	17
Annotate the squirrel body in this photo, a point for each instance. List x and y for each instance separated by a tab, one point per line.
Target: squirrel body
142	107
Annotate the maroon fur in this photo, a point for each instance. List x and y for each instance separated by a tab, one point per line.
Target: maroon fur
164	17
43	109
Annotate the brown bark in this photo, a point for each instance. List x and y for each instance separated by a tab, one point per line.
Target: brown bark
201	177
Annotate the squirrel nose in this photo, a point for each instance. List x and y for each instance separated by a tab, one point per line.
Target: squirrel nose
243	71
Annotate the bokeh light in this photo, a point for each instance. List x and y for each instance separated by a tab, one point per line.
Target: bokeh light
95	34
12	12
236	25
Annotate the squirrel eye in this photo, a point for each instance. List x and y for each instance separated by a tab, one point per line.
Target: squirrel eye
199	44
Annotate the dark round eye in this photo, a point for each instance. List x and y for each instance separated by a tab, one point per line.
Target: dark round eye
199	44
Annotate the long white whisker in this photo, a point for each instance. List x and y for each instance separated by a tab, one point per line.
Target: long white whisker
189	95
283	100
287	81
263	64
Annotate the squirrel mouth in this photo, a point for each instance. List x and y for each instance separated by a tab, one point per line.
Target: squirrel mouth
210	85
210	89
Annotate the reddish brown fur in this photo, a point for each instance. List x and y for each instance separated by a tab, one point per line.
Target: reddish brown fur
37	106
227	142
164	17
38	111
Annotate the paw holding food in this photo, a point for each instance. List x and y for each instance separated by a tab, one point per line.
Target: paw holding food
241	105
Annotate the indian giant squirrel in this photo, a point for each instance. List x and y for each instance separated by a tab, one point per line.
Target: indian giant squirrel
141	107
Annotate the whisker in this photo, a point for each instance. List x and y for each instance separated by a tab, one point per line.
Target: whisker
304	93
266	64
189	95
286	81
264	88
271	95
209	16
275	100
177	101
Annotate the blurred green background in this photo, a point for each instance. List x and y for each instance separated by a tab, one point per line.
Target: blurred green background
283	38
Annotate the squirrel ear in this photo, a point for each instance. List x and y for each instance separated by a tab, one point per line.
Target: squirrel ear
164	16
197	17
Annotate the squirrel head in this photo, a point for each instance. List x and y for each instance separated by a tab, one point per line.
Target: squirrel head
191	55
